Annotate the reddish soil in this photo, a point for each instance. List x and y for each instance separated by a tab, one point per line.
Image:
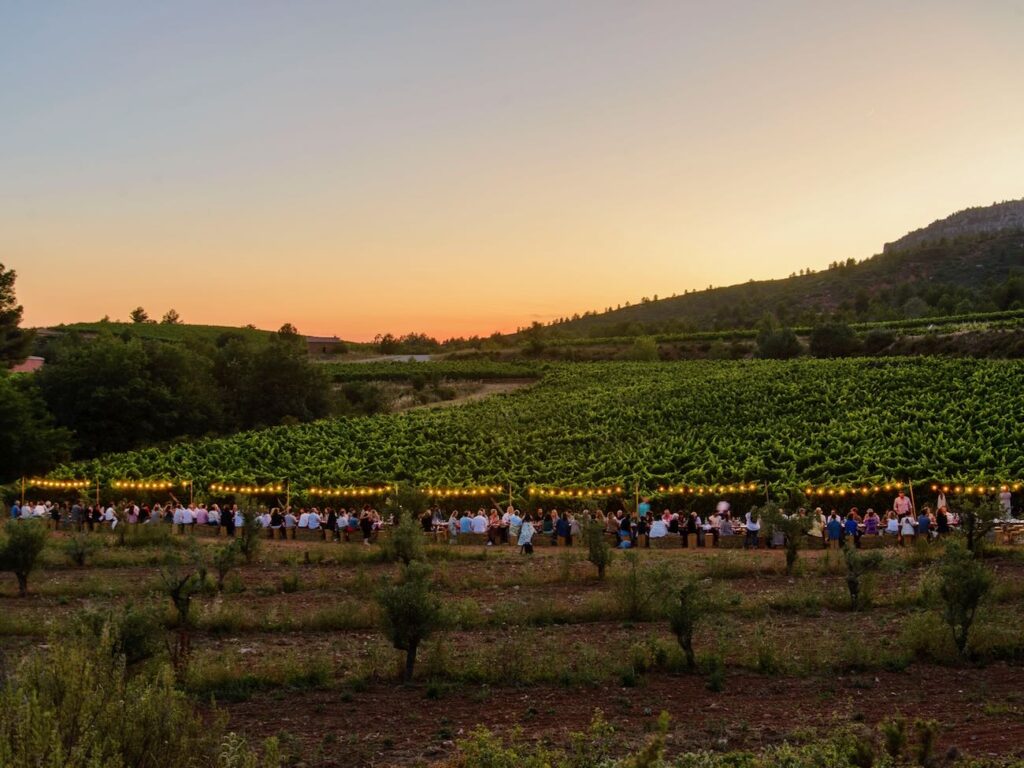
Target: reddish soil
390	725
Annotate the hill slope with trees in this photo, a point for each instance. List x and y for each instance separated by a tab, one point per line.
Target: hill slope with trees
978	272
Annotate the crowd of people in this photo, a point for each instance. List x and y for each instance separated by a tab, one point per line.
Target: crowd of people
186	518
563	528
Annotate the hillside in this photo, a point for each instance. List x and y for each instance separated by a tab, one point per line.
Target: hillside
998	217
931	277
162	331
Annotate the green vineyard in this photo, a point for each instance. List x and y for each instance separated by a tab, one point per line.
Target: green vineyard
785	423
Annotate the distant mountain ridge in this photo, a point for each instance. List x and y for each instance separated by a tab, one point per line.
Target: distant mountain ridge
972	261
997	217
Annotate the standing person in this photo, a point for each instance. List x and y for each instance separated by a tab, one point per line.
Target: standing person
1006	502
228	519
852	529
753	530
331	526
643	510
366	526
526	538
941	522
901	504
907	529
453	527
54	521
76	517
834	529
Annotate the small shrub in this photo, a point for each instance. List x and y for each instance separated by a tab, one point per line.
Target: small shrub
894	736
250	537
79	548
858	565
225	559
715	667
20	549
599	551
406	542
290	583
963	584
410	611
685	613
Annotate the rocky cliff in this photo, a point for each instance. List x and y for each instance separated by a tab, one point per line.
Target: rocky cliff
971	221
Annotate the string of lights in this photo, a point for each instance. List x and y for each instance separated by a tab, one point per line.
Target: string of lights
249	490
579	493
482	490
700	490
365	490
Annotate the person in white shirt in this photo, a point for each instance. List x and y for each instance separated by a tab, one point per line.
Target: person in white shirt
313	521
265	519
908	528
188	518
658	529
290	524
39	510
239	519
109	517
901	504
1006	502
753	530
303	519
213	516
515	525
479	523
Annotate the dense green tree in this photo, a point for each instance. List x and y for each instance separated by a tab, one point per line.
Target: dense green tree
14	340
31	443
779	344
138	315
834	340
282	385
20	548
118	393
171	317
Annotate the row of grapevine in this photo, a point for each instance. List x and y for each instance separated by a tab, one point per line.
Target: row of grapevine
784	422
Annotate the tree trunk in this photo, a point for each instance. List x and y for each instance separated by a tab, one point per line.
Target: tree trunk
22	584
410	662
691	661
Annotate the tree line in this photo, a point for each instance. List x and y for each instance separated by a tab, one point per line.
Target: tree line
115	392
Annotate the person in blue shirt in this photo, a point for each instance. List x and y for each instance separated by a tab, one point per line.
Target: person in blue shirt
15	511
924	526
643	509
852	529
563	530
834	528
466	524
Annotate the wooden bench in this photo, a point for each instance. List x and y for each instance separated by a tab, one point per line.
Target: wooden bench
731	542
671	541
471	539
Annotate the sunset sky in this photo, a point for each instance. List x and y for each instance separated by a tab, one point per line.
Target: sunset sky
464	167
